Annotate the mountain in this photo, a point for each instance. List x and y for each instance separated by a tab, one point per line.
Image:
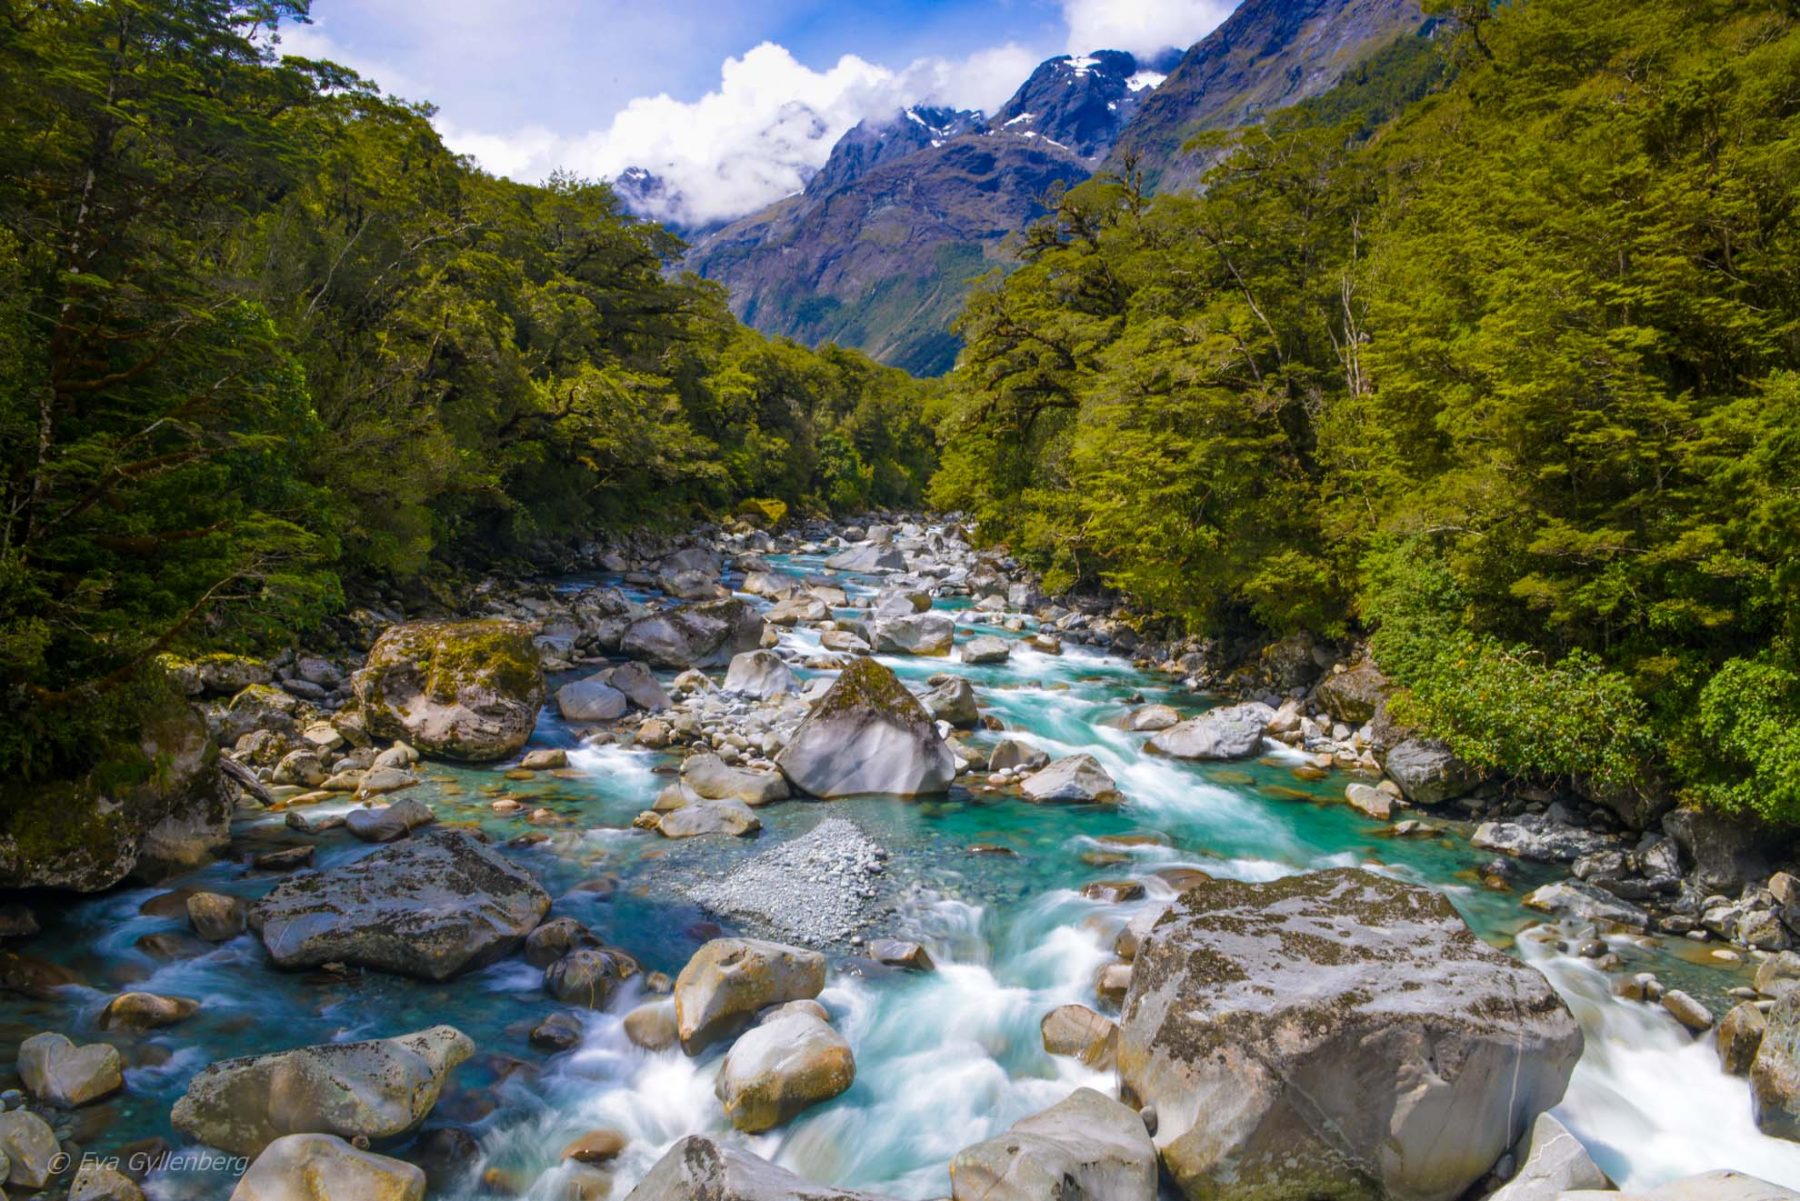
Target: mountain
868	146
1081	102
1267	55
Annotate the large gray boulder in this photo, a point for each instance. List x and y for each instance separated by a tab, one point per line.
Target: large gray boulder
438	903
868	734
460	689
916	634
1551	1162
868	558
1428	774
1087	1147
703	635
319	1167
1335	1034
1071	780
699	1168
375	1089
728	980
1233	732
1353	695
592	699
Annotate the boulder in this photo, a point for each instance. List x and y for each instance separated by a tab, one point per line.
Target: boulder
760	675
796	609
29	1148
1721	1185
1727	852
1585	902
215	916
98	1180
589	976
556	938
545	759
140	1011
703	635
1087	1147
729	979
460	689
388	823
699	1168
953	701
1011	754
592	699
985	648
1370	801
792	1060
652	1025
1775	1072
709	817
375	1089
1152	718
1551	1162
711	778
1539	838
1427	773
1072	780
868	558
318	1167
1740	1036
431	906
58	1072
1233	732
1336	1033
1078	1031
638	683
916	634
868	734
896	952
1353	695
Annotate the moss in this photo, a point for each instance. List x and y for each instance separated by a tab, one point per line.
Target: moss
868	685
767	512
497	652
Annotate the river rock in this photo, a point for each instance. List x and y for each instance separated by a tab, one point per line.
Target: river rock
729	979
703	635
1686	1010
1539	838
732	818
868	734
589	700
1722	1185
953	701
1370	801
985	648
868	558
699	1168
29	1147
139	1011
1427	773
1740	1037
1152	718
1087	1147
58	1072
436	904
711	778
389	823
98	1180
589	976
215	916
1584	902
652	1025
638	683
319	1167
760	675
792	1060
1338	1032
1233	732
1775	1073
1078	1031
1010	754
1073	779
1726	851
461	689
1551	1162
377	1088
925	634
1354	694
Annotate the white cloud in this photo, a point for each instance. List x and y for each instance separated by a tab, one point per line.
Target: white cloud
1141	26
757	137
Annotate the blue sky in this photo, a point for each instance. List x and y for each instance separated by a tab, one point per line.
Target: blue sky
734	101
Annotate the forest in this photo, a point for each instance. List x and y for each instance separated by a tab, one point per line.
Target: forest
264	338
1489	354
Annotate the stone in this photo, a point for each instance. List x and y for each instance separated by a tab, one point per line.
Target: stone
1071	780
589	976
652	1025
1370	801
319	1167
1721	1185
1740	1036
374	1089
1078	1031
556	938
558	1032
699	1168
638	683
760	675
1352	695
710	778
1113	892
1778	974
98	1180
215	916
1775	1072
1427	773
789	1062
1087	1147
702	635
58	1072
545	759
1539	838
596	1147
388	823
1336	1031
378	781
460	689
953	701
140	1011
1584	902
868	559
1727	852
590	700
894	952
927	634
985	649
438	903
1686	1010
729	979
1233	732
732	818
29	1147
1152	718
867	734
1010	754
1551	1162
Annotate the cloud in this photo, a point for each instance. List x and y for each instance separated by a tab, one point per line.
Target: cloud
758	136
1141	26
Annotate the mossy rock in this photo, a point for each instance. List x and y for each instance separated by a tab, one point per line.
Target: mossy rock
767	512
468	690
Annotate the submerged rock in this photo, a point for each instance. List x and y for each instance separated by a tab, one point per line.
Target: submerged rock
790	1061
1073	779
868	734
699	1168
1233	732
318	1167
377	1088
729	979
1336	1033
461	689
438	903
1088	1147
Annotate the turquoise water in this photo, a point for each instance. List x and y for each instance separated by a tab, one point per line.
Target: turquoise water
944	1059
